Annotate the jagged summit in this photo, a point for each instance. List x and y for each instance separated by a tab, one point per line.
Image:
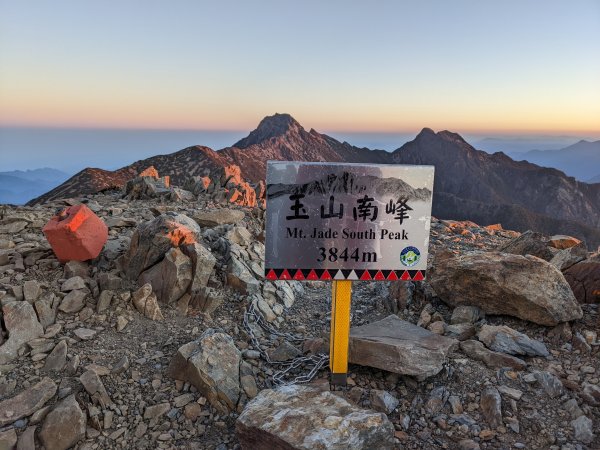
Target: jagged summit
270	127
425	132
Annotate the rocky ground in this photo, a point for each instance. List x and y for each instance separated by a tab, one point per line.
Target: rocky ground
493	352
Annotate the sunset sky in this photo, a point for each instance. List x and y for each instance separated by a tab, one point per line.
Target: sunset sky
468	66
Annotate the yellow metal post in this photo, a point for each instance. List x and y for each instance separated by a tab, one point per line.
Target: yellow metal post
340	330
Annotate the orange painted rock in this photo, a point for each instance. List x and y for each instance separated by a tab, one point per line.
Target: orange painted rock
76	234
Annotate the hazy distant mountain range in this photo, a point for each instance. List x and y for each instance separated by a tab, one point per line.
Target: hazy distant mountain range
580	160
469	184
18	186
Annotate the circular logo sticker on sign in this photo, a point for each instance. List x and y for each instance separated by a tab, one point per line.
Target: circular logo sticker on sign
410	256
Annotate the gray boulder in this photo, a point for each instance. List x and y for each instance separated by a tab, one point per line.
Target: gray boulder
170	278
211	363
398	346
499	283
304	417
151	240
64	426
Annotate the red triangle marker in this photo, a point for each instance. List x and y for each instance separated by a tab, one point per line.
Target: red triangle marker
366	275
298	275
271	275
392	276
379	276
312	275
285	275
326	275
405	276
418	276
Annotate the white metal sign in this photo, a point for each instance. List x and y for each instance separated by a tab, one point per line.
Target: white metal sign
330	221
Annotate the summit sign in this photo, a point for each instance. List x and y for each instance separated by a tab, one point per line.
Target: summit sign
329	221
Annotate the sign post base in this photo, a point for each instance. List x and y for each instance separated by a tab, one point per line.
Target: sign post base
341	295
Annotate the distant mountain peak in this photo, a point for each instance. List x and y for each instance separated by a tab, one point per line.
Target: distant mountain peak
270	127
426	132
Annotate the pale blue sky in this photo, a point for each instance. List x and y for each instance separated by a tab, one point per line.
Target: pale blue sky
469	66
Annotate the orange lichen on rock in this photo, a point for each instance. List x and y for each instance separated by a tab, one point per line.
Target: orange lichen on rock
494	227
76	234
181	235
231	174
562	242
149	172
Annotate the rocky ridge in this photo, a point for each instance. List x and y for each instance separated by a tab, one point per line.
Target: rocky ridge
151	345
470	184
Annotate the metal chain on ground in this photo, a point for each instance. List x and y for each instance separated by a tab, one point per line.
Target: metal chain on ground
314	362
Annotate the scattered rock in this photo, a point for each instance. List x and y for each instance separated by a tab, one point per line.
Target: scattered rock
211	363
85	334
27	402
74	301
398	346
584	279
400	294
303	417
203	263
466	314
8	439
572	408
22	325
156	411
170	278
504	339
58	358
491	405
239	276
569	256
109	282
207	300
218	217
549	383
31	290
152	240
64	426
93	385
476	350
520	286
562	242
528	243
73	283
76	269
437	399
591	394
104	300
582	429
284	352
27	439
383	401
146	303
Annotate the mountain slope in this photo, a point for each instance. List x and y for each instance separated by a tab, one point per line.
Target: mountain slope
580	160
469	184
473	184
180	165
